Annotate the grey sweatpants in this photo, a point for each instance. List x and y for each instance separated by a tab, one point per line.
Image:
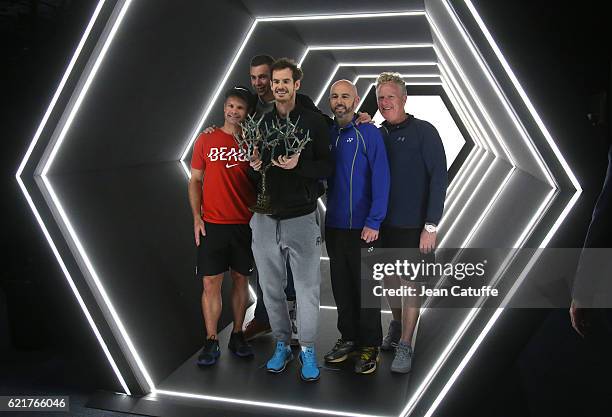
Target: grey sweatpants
298	239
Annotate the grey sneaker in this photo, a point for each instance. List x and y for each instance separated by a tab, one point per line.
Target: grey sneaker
292	304
393	336
402	362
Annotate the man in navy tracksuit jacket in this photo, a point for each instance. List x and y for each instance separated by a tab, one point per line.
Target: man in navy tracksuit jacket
357	197
416	200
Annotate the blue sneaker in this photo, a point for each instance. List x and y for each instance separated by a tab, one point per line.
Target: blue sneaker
282	356
310	367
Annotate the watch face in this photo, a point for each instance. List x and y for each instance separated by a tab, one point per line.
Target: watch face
430	228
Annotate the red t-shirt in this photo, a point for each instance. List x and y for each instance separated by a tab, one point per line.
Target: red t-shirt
227	191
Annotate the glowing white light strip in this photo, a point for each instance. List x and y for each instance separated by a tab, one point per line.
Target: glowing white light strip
462	364
85	87
502	98
336	308
74	289
463	113
60	87
358	47
369	64
46	233
59	207
450	79
481	182
97	283
549	235
465	167
487	208
450	76
196	131
401	75
474	152
536	218
277	406
341	16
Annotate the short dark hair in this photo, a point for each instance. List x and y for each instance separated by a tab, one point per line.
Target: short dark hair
283	63
258	60
242	93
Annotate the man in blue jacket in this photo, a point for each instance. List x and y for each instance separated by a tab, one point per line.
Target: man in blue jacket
416	199
357	197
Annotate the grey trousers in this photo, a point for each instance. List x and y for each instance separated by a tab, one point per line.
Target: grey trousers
299	240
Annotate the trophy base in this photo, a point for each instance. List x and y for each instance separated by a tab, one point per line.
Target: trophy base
263	205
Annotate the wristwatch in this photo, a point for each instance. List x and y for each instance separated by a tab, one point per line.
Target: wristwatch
431	228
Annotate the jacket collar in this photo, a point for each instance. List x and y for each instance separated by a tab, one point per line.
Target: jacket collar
390	127
351	125
298	109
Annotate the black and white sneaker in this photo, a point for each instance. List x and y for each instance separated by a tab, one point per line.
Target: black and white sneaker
340	351
368	360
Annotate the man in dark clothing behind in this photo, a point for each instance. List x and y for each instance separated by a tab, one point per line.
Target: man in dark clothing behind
293	231
419	179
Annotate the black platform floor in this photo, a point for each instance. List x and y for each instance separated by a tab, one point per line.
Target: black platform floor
339	388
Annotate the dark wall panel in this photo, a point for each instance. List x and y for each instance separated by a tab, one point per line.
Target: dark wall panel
157	77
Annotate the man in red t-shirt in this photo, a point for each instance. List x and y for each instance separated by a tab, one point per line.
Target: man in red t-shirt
220	194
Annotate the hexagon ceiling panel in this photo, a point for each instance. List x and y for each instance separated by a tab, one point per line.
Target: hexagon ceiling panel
514	155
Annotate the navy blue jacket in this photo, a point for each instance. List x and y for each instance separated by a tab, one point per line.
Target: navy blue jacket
358	190
419	176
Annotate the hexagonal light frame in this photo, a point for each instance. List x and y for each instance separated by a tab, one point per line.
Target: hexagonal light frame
449	78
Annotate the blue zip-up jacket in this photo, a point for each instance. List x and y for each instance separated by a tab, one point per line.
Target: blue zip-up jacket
419	176
358	190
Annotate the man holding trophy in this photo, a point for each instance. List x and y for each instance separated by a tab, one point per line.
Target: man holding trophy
289	150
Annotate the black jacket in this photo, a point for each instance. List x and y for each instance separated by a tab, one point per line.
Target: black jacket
294	192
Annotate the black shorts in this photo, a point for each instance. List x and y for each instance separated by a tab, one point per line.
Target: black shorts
405	238
225	246
399	237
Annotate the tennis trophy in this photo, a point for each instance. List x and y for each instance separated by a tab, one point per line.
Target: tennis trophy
266	141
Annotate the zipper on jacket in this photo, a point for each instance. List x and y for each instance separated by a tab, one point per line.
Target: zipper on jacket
351	180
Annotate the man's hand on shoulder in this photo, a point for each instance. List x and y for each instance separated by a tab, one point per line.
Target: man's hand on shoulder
209	129
363	118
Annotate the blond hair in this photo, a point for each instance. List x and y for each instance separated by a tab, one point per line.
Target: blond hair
391	77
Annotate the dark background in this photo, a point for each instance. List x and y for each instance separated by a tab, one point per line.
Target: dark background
561	53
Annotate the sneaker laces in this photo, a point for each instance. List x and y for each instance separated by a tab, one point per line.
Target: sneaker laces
339	343
309	358
280	349
403	351
366	353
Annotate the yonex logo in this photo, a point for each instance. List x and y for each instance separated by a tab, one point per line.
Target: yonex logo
349	140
